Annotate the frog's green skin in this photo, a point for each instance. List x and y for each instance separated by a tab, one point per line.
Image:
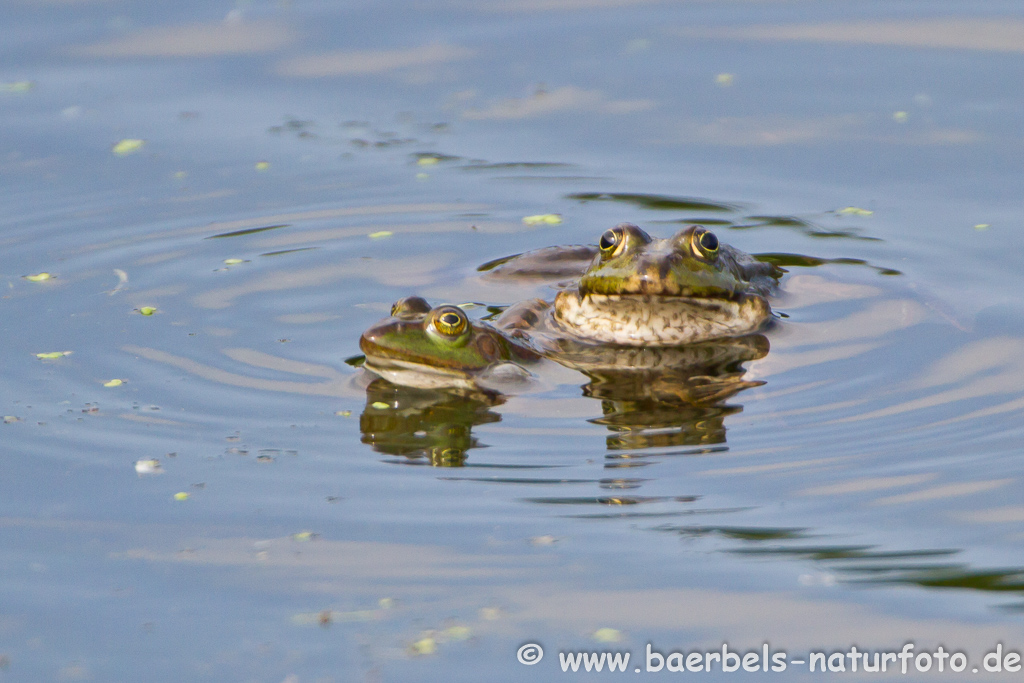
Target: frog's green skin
429	348
642	291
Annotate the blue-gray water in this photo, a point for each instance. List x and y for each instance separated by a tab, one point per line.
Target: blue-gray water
867	494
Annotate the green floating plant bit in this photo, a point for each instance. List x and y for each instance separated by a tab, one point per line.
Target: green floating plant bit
344	413
380	234
900	116
458	633
53	354
147	310
607	635
38	277
427	161
543	219
724	80
262	165
128	146
114	383
234	261
304	536
17	86
854	211
424	646
982	226
380	405
181	495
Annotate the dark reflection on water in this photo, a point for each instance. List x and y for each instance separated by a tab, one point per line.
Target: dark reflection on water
654	201
802	261
425	426
665	397
862	563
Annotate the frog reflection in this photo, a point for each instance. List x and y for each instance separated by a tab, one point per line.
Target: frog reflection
668	396
429	426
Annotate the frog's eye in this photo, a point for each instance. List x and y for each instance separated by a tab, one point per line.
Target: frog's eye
450	321
704	243
610	240
409	306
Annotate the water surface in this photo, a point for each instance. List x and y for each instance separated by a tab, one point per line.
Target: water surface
303	165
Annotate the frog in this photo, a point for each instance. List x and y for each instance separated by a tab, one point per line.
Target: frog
441	347
636	290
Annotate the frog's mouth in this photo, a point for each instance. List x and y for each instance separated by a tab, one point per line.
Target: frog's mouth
419	375
658	320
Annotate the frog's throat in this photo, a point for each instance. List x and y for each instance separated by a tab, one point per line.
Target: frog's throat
644	319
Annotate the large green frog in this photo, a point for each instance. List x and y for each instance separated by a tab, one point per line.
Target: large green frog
635	290
643	291
430	348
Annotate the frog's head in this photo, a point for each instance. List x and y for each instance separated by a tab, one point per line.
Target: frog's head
440	344
692	263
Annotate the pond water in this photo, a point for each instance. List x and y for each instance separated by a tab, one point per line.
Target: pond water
224	196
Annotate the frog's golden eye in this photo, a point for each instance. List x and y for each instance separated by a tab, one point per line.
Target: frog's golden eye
610	240
704	243
450	321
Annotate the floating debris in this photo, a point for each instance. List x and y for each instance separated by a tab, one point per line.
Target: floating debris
11	419
50	355
127	146
458	632
151	466
234	261
146	310
541	541
38	277
543	219
379	234
386	603
490	613
900	116
853	211
17	86
122	280
724	80
303	536
982	226
113	383
344	413
607	635
424	646
427	161
181	495
180	175
380	405
422	176
325	618
262	166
